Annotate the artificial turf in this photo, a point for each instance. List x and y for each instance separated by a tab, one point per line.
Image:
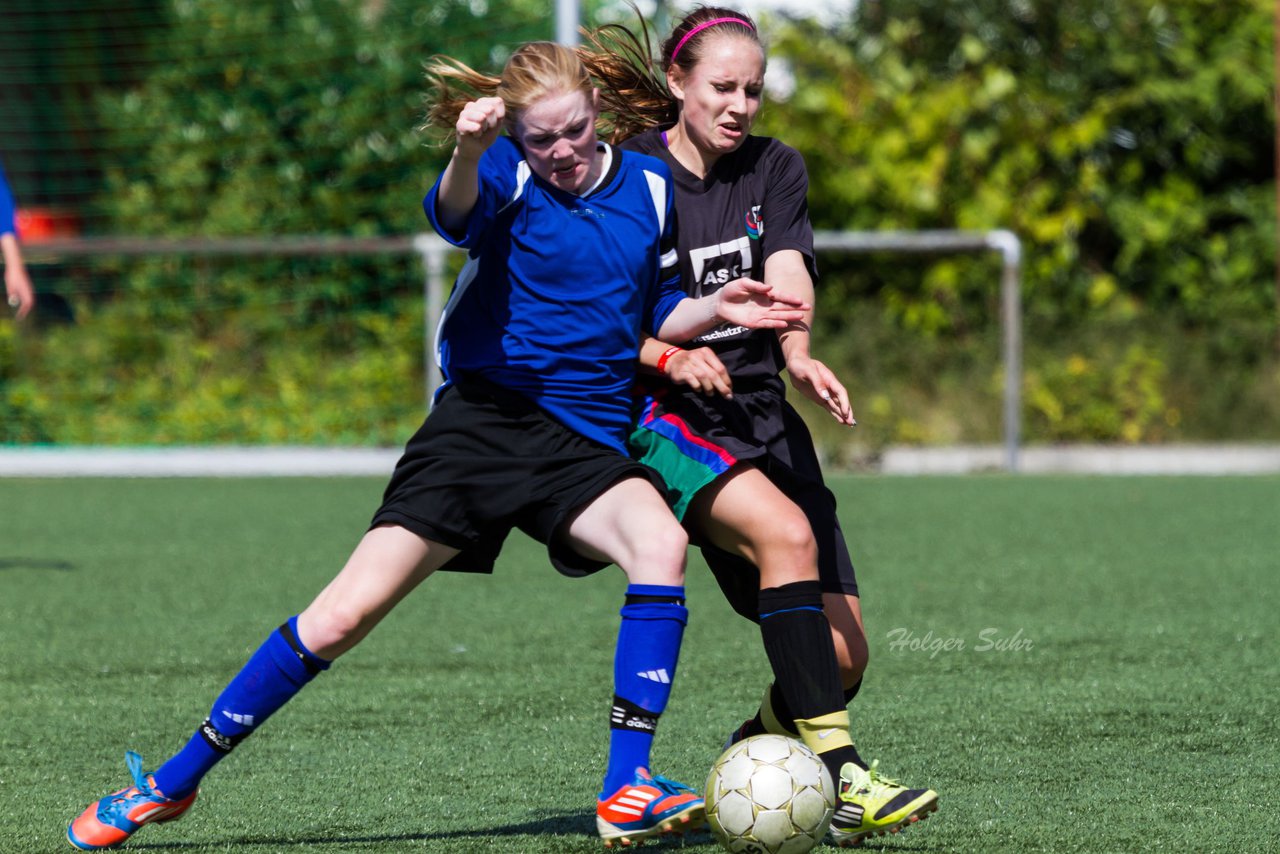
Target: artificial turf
1074	663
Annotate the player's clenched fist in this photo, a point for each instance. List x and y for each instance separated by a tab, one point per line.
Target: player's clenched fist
478	125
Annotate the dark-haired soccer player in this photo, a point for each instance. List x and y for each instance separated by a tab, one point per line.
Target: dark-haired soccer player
751	490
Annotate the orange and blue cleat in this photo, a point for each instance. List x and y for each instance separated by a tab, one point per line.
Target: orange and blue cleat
110	821
648	807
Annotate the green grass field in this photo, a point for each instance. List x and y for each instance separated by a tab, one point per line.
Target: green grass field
1117	688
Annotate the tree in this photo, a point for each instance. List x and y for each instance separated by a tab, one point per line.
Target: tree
1128	143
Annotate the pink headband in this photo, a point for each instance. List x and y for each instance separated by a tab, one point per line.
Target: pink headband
703	26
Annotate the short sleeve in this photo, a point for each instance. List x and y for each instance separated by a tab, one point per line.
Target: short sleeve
668	293
7	225
786	208
501	175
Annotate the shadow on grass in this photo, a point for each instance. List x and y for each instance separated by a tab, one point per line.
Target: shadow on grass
36	563
572	825
562	825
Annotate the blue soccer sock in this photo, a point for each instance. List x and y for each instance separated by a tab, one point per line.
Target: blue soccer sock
278	670
653	621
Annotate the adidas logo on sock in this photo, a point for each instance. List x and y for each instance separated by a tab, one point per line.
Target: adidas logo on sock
243	720
633	718
655	676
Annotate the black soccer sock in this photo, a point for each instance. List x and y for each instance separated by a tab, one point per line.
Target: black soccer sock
775	715
797	640
849	694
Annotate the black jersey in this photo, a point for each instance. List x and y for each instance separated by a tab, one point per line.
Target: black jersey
752	204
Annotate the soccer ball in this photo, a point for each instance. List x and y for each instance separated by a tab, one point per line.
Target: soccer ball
769	794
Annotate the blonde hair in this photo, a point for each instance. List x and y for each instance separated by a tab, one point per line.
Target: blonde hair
535	70
633	88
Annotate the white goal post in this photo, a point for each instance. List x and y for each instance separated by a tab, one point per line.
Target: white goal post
433	251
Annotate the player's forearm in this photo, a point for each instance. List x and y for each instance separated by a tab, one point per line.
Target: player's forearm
10	250
17	284
459	189
786	273
796	337
651	351
689	319
795	341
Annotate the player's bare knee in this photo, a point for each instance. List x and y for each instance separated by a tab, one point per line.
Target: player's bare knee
669	544
794	534
663	550
335	626
786	549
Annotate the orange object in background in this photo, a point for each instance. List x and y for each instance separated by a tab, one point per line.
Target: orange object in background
40	224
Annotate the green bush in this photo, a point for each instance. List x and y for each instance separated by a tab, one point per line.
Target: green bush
1128	144
1084	398
114	379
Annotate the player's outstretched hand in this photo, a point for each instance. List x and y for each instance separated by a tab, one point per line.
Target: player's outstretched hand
756	305
817	382
478	125
700	369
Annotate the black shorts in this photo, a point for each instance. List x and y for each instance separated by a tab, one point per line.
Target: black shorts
692	440
486	461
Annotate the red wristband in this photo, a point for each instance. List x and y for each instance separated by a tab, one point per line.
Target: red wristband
666	357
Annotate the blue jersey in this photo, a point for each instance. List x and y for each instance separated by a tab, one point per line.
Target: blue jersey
558	287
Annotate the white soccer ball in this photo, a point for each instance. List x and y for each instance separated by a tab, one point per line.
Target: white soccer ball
769	794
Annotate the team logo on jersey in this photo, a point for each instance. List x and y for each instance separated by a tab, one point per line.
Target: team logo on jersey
719	263
755	223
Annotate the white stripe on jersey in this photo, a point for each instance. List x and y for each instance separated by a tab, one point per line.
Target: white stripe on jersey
523	173
658	190
466	276
606	161
468	273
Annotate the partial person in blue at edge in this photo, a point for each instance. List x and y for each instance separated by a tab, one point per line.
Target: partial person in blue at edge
17	284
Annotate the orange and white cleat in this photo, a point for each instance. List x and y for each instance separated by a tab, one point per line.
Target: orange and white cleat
649	806
108	822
